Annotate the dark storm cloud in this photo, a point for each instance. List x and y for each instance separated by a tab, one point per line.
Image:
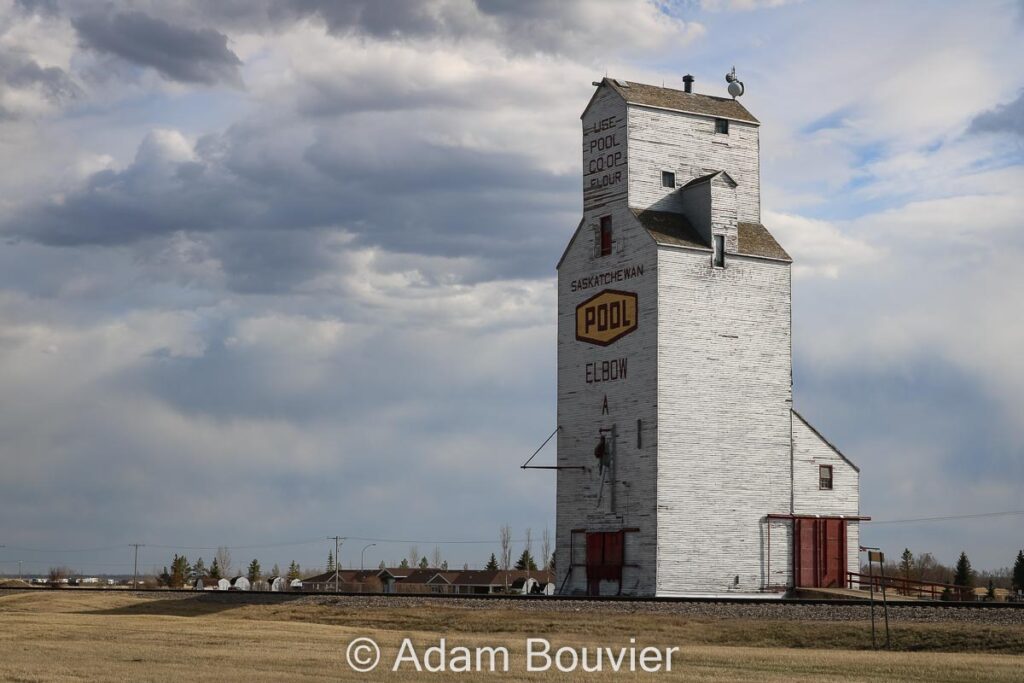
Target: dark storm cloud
178	53
1005	118
267	213
21	72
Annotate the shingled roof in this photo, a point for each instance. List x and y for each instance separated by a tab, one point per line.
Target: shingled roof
670	228
679	100
755	240
673	229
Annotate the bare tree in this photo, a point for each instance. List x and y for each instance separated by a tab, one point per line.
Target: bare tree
414	555
545	546
436	558
528	538
506	547
224	561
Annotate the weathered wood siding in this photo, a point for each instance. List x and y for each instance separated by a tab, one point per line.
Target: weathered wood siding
724	402
687	144
810	452
629	398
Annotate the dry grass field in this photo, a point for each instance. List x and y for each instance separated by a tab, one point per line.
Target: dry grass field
106	635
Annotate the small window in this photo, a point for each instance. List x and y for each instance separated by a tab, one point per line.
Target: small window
668	179
825	477
719	255
722	126
606	235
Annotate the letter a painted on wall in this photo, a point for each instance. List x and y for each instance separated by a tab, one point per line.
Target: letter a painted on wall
606	317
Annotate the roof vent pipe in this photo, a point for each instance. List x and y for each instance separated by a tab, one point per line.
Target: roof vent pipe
688	83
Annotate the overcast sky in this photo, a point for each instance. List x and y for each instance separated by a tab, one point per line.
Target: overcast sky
273	270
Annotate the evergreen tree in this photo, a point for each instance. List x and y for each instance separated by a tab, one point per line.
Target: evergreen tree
964	574
179	572
215	570
525	561
492	564
444	566
991	592
1018	572
276	571
381	565
423	563
294	571
906	563
405	563
199	569
254	571
330	560
164	579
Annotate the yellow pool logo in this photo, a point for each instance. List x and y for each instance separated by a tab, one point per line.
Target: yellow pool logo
606	317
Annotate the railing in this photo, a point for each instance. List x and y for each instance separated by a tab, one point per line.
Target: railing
910	587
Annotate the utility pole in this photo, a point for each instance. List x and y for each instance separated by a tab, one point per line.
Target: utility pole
135	570
337	546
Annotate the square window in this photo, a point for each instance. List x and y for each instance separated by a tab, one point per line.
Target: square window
668	179
719	255
722	126
606	235
825	477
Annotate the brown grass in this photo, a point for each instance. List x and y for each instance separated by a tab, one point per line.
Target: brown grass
79	635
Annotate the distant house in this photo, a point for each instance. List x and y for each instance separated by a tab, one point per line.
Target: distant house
430	580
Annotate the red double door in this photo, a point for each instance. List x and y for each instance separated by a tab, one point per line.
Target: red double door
605	555
819	552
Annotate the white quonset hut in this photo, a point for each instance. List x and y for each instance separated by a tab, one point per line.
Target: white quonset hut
682	466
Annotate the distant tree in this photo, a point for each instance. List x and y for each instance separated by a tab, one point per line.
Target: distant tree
435	558
505	538
330	560
254	571
414	555
423	562
276	571
58	574
294	571
405	564
492	564
444	566
551	562
990	593
465	567
381	565
224	560
525	561
164	578
198	569
964	574
906	563
215	572
1018	572
545	547
179	571
528	542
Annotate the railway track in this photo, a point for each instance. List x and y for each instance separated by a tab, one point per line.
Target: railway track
242	596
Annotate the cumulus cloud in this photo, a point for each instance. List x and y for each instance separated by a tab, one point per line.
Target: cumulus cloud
179	53
819	248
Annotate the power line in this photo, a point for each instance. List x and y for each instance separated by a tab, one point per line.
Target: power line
978	515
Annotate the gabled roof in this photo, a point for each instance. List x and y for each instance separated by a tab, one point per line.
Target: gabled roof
679	100
709	176
755	240
825	441
667	227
